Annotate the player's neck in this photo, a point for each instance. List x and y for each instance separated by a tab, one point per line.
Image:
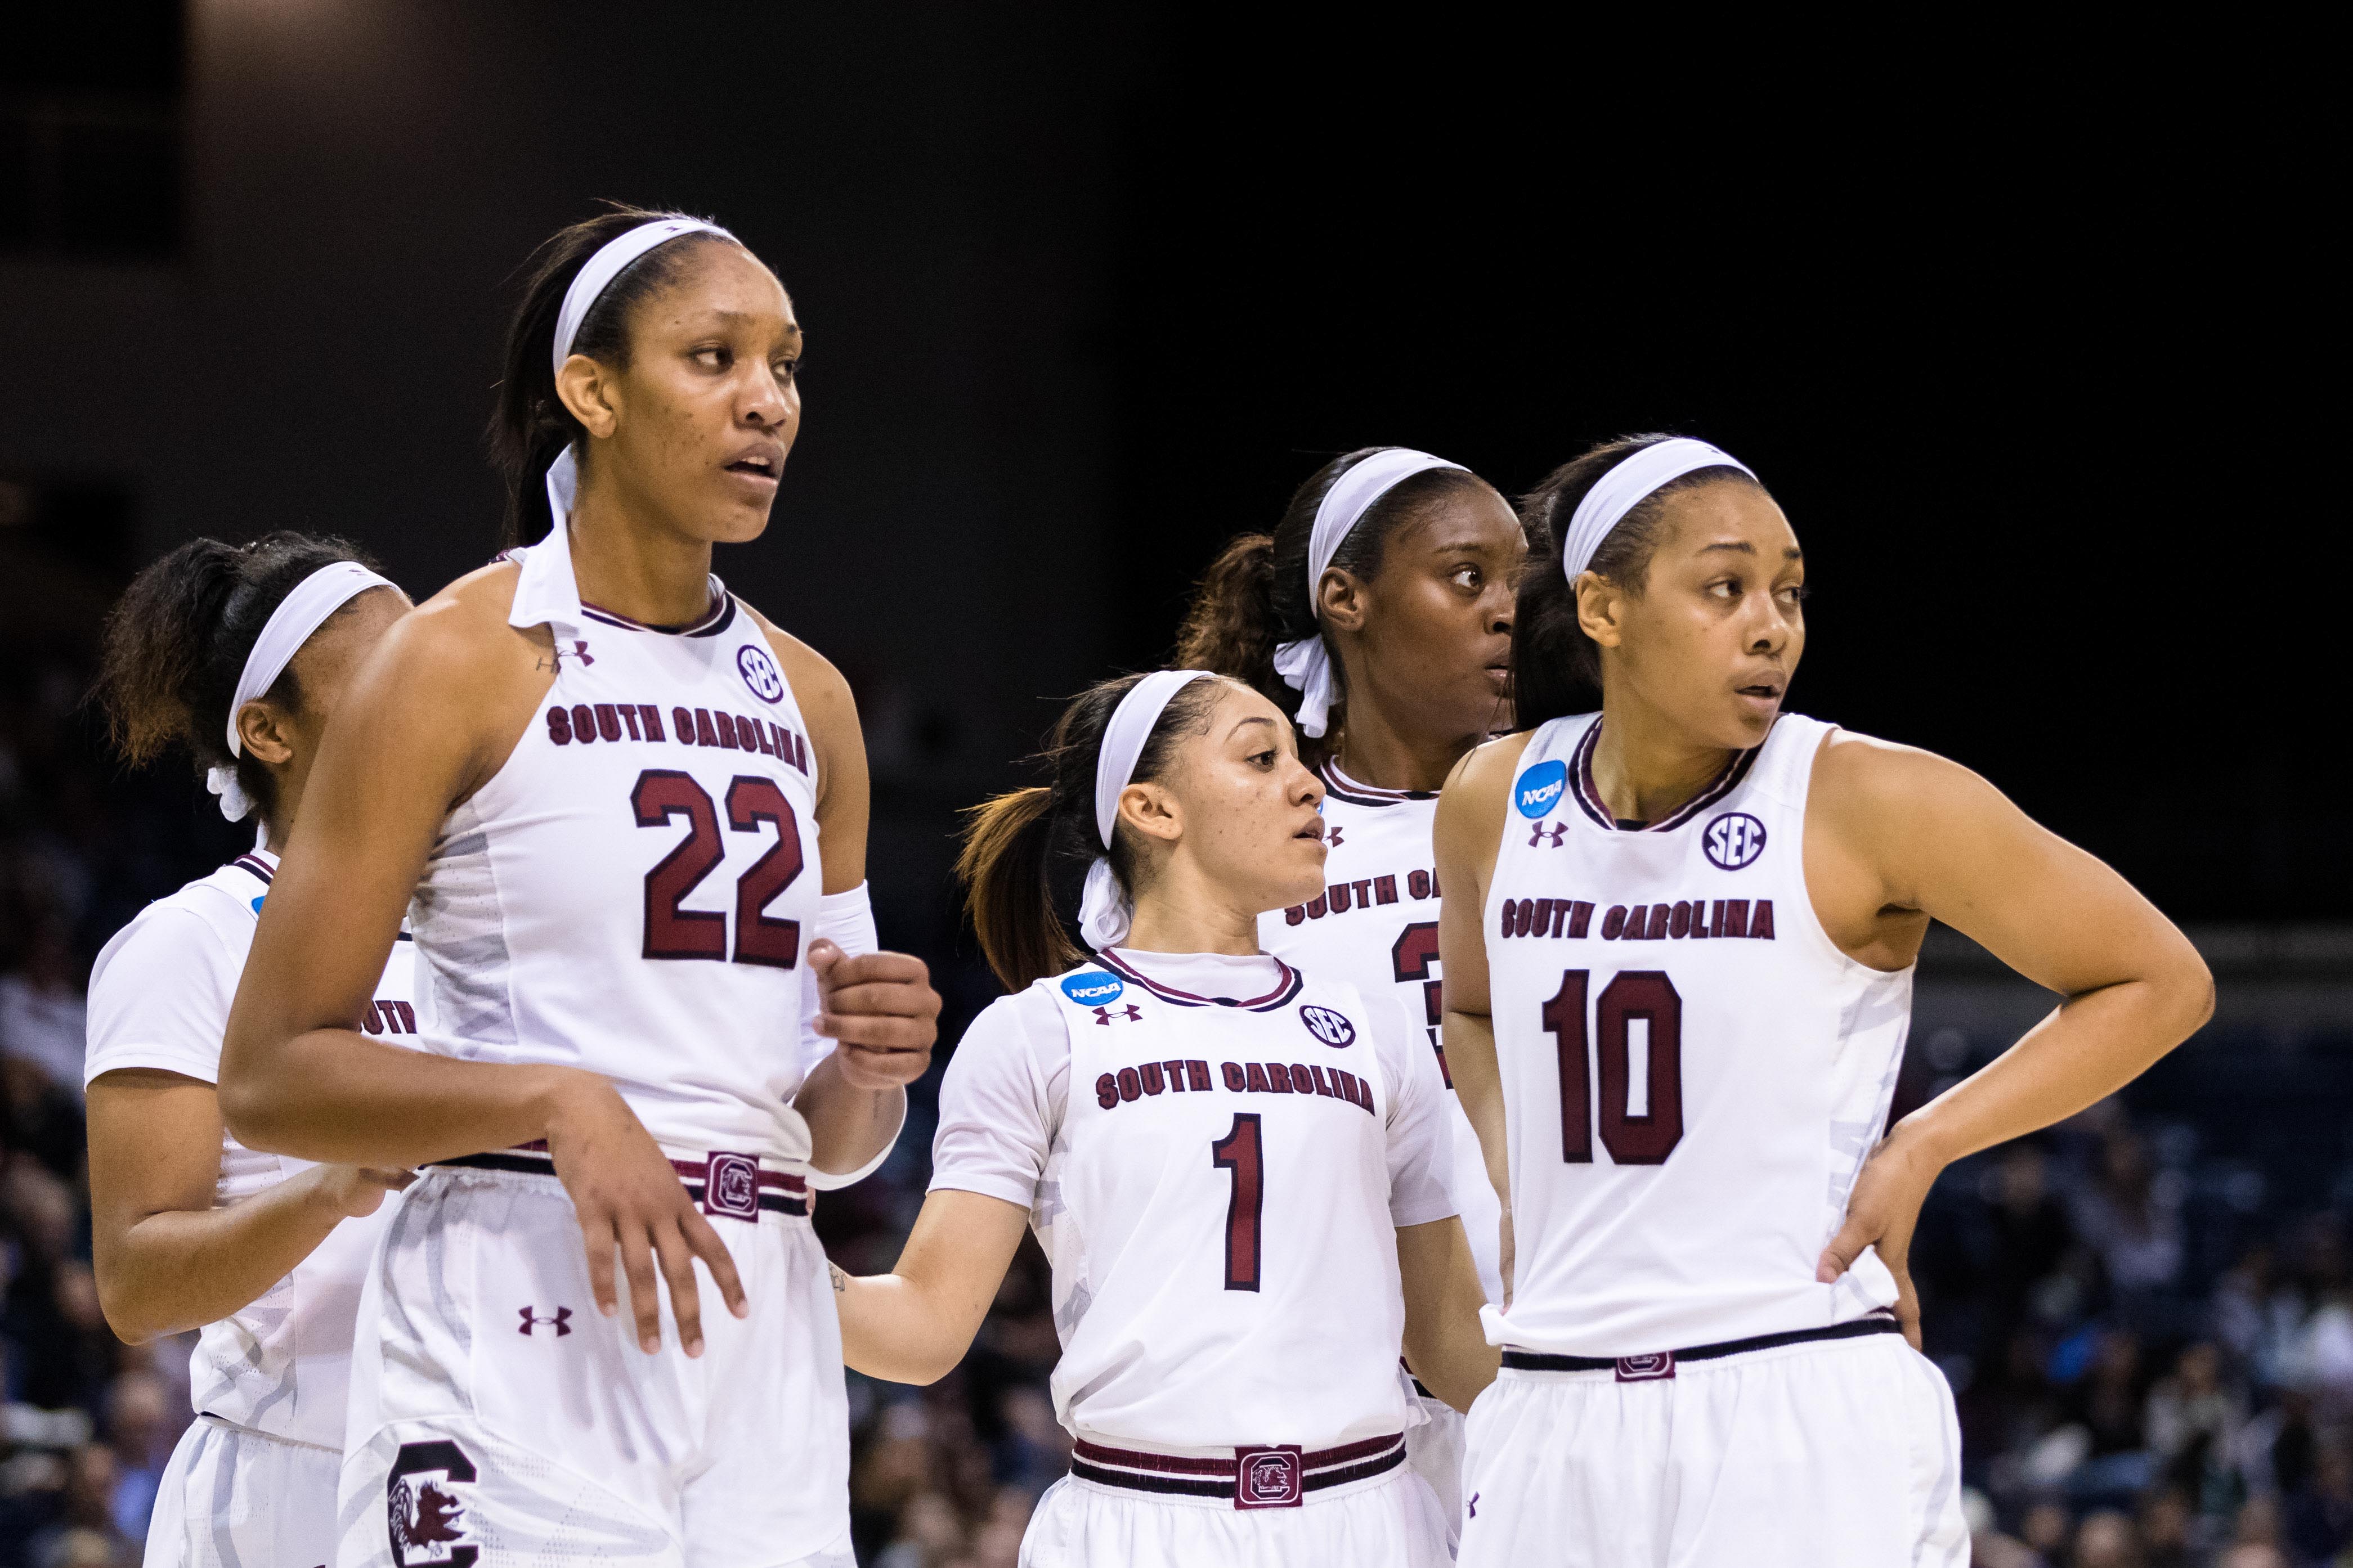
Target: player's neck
626	561
1373	750
1183	918
1645	766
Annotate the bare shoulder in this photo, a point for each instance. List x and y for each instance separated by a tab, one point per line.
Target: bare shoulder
1867	784
824	696
462	632
1482	781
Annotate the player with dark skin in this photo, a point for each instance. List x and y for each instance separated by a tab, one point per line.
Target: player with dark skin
1698	647
686	435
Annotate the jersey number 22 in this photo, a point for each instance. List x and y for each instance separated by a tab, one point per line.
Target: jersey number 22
675	932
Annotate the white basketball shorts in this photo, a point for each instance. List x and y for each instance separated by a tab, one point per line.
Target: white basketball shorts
232	1498
1307	1511
1434	1450
498	1420
1826	1454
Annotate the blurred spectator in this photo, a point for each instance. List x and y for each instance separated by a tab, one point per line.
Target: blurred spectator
42	1015
2132	1223
2319	1523
2106	1540
84	1514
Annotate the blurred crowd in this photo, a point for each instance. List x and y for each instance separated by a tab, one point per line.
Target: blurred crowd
2146	1317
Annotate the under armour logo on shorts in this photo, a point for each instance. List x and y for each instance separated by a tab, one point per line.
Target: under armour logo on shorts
1646	1368
1268	1478
560	1321
731	1186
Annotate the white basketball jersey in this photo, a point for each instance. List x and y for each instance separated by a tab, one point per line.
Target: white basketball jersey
630	893
159	998
1217	1184
1693	1071
1377	928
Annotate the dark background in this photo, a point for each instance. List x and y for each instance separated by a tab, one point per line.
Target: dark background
2024	327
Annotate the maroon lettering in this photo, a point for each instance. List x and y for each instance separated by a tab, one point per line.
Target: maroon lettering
1699	919
608	722
1364	889
373	1019
559	726
1130	1086
652	717
1435	891
763	740
1232	1073
407	1016
1198	1071
1735	917
685	723
726	726
1323	1085
1258	1084
1279	1077
1295	915
629	716
1760	924
1579	913
1659	913
1384	889
1417	883
1613	924
584	723
704	735
747	735
1150	1074
1679	921
1175	1075
1543	918
1107	1092
1338	895
1315	907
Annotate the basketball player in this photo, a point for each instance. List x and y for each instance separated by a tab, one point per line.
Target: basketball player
1382	607
613	792
239	655
1679	935
1238	1170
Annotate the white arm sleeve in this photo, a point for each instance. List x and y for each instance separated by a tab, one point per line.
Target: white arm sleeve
1421	1135
159	996
1002	1100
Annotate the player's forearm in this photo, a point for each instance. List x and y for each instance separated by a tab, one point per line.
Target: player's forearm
2092	1046
850	1127
182	1268
336	1096
893	1329
1478	1086
1444	1342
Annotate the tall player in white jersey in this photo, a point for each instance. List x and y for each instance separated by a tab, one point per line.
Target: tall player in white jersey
1238	1169
1382	607
614	793
240	655
1679	935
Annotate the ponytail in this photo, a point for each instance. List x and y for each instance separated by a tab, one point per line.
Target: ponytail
530	427
1024	852
1255	596
1555	667
176	642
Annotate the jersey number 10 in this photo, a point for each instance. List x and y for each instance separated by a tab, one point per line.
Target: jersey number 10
675	932
1635	994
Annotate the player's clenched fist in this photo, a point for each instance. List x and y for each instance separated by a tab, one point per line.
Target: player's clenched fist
881	1009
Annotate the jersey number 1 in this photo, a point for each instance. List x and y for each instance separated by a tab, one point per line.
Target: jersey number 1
675	932
1240	1153
1645	1139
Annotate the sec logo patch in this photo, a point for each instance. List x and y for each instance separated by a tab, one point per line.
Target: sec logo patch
760	673
1733	840
1333	1028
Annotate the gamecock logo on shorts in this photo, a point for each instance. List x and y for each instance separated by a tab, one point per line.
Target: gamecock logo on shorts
1333	1028
759	672
425	1515
731	1186
1268	1478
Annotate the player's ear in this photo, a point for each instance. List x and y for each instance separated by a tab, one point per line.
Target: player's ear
1600	604
265	734
1153	811
1340	601
587	389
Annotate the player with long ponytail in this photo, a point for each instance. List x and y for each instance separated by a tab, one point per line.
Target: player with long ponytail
1238	1169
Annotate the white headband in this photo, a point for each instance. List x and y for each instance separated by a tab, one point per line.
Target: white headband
608	263
588	285
1103	911
1304	664
1625	487
290	625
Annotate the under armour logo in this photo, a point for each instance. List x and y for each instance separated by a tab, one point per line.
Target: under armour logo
561	1322
1130	1012
1332	837
1474	1505
1559	831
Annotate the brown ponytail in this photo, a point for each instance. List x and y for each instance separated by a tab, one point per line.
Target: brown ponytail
1026	852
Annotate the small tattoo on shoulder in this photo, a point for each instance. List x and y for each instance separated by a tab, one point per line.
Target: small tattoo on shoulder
840	1280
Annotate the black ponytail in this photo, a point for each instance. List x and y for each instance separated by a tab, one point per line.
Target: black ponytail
530	428
1255	596
1024	848
176	643
1555	667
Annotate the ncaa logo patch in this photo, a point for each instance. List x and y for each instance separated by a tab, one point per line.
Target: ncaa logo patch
423	1515
1540	788
1733	840
1092	988
1328	1027
760	673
